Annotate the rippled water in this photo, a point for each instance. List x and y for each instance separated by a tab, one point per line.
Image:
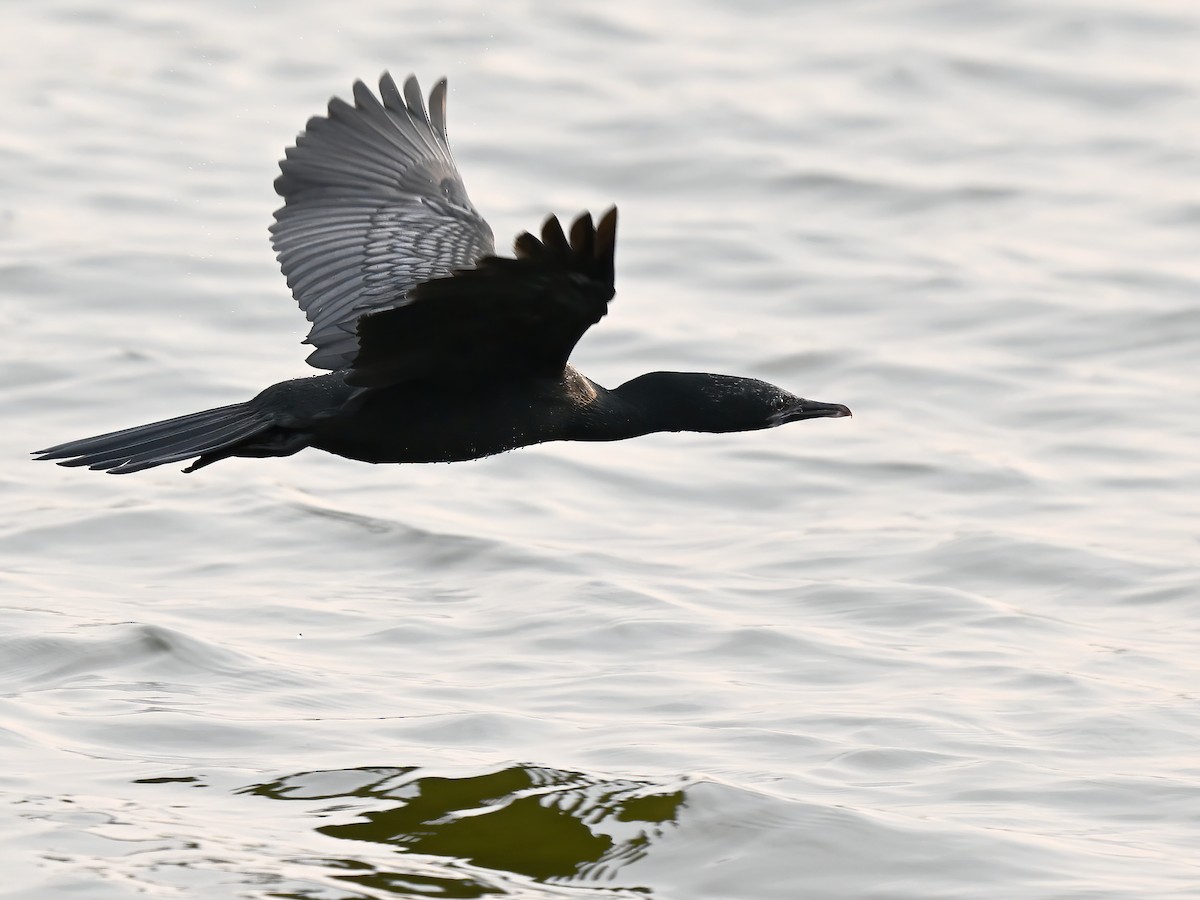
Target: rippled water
947	648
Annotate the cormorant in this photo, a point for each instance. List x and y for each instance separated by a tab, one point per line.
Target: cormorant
438	350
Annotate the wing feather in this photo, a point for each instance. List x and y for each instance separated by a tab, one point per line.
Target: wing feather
373	206
504	318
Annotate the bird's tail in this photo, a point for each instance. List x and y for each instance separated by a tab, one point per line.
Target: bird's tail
211	435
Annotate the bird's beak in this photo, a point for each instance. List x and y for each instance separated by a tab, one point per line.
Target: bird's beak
810	409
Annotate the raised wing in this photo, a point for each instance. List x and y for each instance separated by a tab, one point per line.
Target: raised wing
373	205
505	318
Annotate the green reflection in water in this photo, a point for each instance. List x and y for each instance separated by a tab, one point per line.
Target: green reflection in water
520	835
529	821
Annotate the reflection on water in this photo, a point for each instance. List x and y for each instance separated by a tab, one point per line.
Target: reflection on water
532	821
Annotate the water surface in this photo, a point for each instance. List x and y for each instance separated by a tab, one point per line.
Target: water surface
946	648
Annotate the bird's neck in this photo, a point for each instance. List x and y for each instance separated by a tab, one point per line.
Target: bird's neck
658	401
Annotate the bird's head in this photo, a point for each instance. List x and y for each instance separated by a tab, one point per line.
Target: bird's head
748	404
697	401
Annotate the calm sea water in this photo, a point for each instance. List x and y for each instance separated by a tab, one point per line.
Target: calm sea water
947	648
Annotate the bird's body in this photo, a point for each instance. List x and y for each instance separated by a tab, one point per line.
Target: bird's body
438	350
455	426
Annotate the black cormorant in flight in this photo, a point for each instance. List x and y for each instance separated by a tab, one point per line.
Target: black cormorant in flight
437	350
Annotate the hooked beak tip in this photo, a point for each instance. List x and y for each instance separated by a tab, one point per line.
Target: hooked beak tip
811	409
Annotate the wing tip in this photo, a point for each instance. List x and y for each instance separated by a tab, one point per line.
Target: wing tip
591	246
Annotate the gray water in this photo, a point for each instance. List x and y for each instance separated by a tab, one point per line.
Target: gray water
947	648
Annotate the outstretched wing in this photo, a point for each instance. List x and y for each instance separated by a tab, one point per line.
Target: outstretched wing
373	205
505	318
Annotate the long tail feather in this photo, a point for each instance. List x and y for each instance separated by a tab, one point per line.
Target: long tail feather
146	446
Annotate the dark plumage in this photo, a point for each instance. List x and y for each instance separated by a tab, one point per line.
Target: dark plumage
437	349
